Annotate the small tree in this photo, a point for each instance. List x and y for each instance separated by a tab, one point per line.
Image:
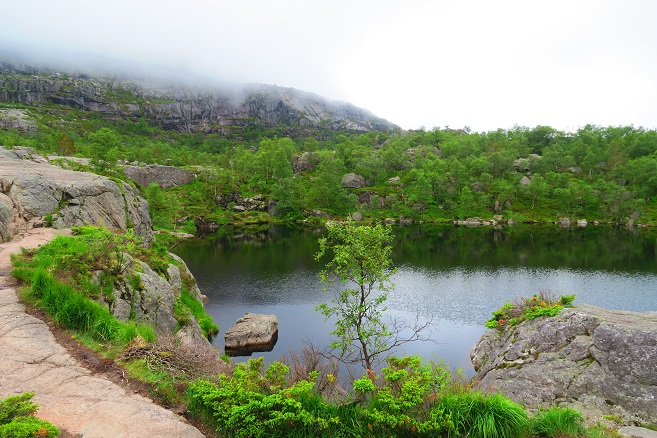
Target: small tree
361	258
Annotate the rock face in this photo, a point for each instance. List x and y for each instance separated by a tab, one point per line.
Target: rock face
252	332
304	162
148	297
603	362
165	176
221	109
16	119
353	181
31	190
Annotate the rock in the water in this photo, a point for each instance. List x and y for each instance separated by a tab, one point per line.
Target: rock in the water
353	181
252	331
164	176
602	362
31	190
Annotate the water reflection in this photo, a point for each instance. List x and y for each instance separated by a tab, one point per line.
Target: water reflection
454	276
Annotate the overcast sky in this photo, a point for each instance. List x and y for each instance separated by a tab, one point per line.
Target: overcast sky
483	64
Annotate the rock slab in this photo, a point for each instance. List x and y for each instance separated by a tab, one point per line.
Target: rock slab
252	330
68	395
601	362
164	176
30	191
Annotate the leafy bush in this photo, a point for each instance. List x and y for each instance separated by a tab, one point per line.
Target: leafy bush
541	304
557	422
17	419
408	399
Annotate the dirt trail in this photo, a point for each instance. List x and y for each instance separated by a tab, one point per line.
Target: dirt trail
71	397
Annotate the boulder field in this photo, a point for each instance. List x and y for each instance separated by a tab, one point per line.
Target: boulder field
601	362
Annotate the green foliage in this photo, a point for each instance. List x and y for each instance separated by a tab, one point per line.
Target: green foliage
17	419
360	258
252	404
412	399
542	304
195	308
59	275
557	422
484	416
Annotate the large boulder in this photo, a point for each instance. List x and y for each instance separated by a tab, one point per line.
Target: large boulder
252	332
30	191
602	362
164	176
143	295
305	162
353	181
17	119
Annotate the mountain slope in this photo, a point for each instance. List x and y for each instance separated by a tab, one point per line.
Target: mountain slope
225	110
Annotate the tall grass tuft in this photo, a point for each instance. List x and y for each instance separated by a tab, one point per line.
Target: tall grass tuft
476	415
557	422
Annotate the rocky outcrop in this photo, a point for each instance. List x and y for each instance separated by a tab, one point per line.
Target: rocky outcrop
305	162
353	181
164	176
145	296
30	191
16	119
603	362
225	110
252	332
78	401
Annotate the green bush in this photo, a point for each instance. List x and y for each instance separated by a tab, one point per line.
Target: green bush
17	418
557	422
409	399
541	304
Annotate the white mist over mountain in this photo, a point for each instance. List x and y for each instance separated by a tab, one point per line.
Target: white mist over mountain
481	64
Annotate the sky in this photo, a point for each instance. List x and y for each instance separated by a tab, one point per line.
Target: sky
480	64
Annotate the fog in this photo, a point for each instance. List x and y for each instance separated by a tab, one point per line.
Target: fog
481	64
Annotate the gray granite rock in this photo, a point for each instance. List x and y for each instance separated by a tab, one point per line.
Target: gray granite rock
603	362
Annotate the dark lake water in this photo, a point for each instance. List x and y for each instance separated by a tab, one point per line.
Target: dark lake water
454	276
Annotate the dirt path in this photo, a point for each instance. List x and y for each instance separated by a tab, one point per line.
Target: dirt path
68	395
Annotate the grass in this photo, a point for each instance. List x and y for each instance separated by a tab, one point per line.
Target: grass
557	422
484	416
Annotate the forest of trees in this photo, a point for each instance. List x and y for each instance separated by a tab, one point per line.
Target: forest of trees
524	174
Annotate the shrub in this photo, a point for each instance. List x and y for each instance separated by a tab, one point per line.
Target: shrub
541	304
17	418
557	422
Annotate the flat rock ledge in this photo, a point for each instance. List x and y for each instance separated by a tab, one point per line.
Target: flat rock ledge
252	332
601	362
637	432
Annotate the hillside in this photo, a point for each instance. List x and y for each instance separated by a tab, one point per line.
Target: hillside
263	154
229	110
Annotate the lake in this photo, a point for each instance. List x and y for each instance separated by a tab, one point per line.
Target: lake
453	276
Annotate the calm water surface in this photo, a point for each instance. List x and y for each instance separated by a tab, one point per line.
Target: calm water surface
454	276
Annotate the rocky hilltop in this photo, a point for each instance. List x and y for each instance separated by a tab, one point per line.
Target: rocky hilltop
603	362
225	110
33	191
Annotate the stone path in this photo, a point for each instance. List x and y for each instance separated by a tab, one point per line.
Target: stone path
68	395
